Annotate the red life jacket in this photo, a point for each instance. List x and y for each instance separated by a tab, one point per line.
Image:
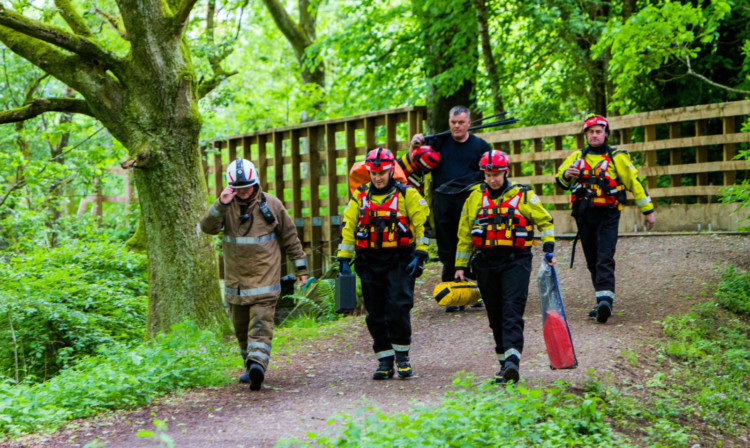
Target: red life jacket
503	225
382	226
596	186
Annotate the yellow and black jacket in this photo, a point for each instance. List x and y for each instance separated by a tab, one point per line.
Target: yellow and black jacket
391	220
504	222
604	178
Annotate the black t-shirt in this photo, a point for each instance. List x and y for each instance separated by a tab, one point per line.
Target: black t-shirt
458	159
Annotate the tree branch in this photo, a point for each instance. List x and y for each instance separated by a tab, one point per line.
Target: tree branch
183	14
115	22
72	18
41	105
713	83
293	32
56	36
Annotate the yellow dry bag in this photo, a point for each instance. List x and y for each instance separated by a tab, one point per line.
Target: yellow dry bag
456	293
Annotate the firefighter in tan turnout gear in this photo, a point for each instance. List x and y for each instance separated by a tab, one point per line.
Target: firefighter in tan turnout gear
257	228
495	235
597	177
384	227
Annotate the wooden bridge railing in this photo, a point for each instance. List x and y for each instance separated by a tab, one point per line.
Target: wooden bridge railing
685	154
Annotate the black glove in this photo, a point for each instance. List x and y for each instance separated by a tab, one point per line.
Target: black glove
416	266
548	247
344	265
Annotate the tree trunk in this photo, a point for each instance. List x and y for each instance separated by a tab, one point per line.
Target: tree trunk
182	263
489	59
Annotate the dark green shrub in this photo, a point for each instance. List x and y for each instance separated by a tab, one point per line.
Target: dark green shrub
733	292
60	304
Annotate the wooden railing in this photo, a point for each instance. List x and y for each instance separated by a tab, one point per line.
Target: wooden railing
685	154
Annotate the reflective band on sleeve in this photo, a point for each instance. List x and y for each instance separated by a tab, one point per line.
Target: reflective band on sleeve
385	354
609	294
250	239
645	200
346	247
548	232
463	255
300	263
423	240
260	355
534	199
259	345
215	213
400	348
254	291
422	202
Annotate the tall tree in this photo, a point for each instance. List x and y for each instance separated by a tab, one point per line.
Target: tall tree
141	84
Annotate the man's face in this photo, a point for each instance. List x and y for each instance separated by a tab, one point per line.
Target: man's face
495	179
459	124
380	178
595	135
244	193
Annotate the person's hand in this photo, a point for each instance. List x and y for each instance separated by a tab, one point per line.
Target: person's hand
344	265
459	275
649	220
416	266
572	172
549	257
227	194
301	280
417	141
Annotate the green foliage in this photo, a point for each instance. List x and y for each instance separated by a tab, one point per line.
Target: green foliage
482	415
69	302
716	344
121	378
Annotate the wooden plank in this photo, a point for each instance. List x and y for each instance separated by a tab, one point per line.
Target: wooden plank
232	150
351	147
369	134
515	159
686	142
675	157
390	133
313	181
333	194
296	177
218	170
692	168
729	149
537	167
650	136
262	160
278	168
689	113
701	155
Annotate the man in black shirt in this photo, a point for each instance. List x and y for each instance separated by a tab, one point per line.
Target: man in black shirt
452	180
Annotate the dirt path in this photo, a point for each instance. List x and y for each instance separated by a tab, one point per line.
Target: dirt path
656	277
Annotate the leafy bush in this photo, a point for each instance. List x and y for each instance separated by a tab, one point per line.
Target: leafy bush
121	378
715	348
61	304
484	415
733	292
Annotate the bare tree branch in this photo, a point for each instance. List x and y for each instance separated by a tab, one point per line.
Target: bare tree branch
41	105
183	14
115	22
56	36
214	57
690	72
72	18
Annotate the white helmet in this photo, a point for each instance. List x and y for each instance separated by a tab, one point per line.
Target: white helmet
242	174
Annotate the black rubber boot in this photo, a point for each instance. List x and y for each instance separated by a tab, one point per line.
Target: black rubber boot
499	378
245	377
454	308
479	304
510	372
385	369
403	366
256	373
603	311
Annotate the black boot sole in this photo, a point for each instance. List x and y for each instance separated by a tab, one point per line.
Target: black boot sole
256	378
602	313
511	374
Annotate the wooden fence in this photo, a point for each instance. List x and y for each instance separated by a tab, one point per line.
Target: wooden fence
686	155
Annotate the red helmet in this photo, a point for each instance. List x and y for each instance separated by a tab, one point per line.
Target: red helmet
380	159
595	120
427	158
494	160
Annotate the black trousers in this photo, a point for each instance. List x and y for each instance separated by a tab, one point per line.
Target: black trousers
597	230
389	295
447	210
503	278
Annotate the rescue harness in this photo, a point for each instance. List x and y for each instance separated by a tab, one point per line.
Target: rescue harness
502	225
595	187
382	226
